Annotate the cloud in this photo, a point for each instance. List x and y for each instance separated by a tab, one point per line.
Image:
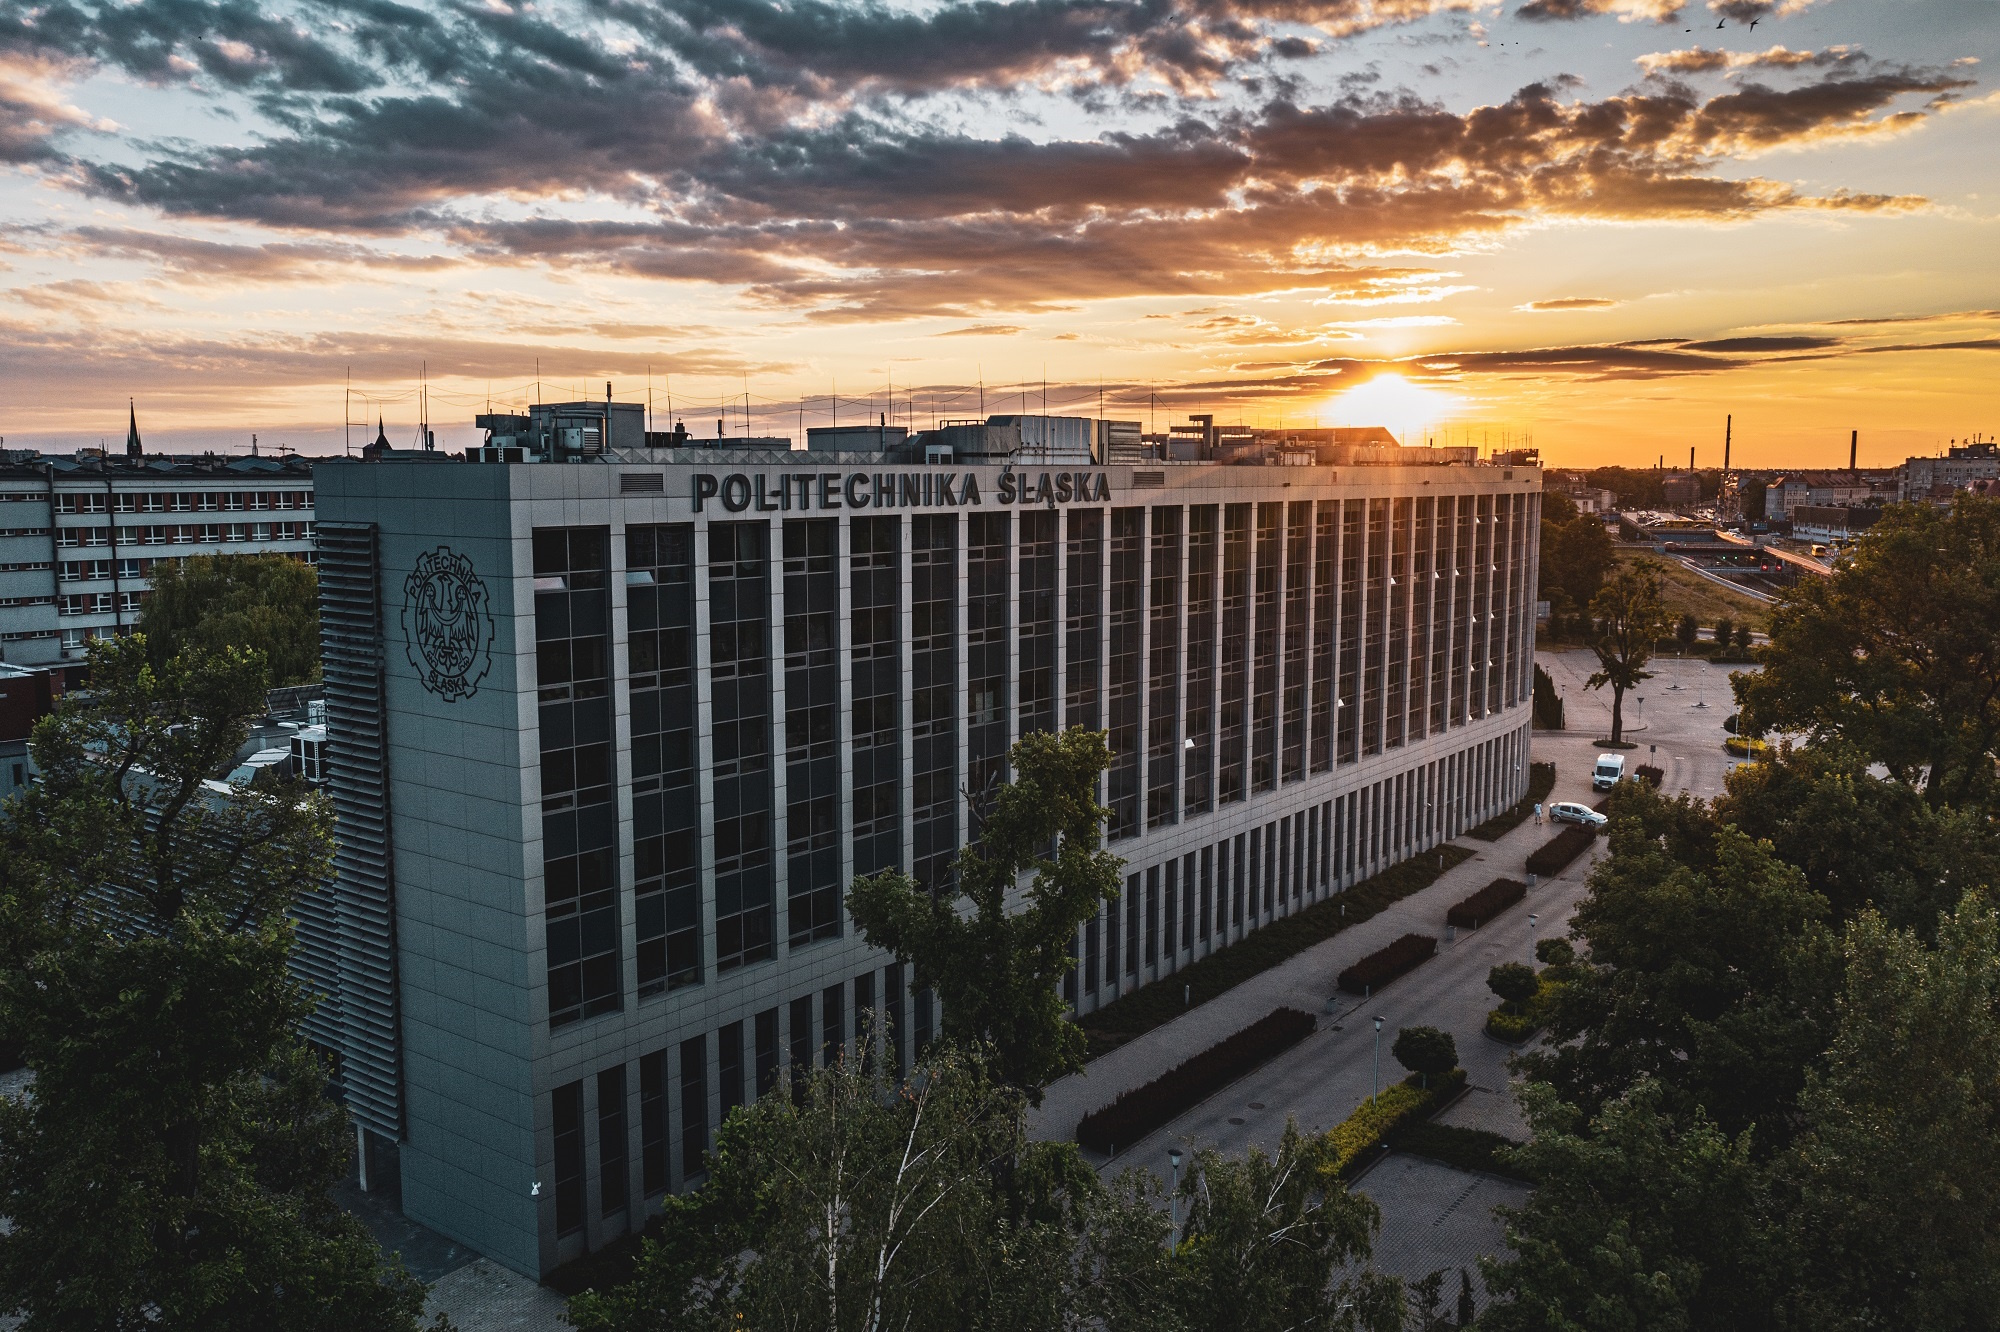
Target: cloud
1627	11
1569	303
1762	344
982	331
1699	60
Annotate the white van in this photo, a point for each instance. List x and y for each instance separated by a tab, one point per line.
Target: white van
1610	771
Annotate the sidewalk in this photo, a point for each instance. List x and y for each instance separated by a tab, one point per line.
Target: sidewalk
1334	1066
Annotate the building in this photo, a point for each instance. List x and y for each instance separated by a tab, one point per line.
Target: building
1938	479
79	535
608	740
27	694
1832	522
1680	490
1838	489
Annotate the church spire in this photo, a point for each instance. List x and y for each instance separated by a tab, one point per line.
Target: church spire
133	448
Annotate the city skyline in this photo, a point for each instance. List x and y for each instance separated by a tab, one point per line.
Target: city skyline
1599	225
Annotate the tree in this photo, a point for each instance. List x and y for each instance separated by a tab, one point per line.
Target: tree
172	1164
1637	1221
1892	1200
1426	1050
1897	652
1575	558
1725	629
1631	618
1515	983
997	969
1687	633
858	1203
269	603
1548	703
1743	639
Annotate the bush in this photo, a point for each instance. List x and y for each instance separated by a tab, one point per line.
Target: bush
1144	1109
1465	1148
1743	746
1485	904
1652	776
1512	1028
1372	1121
1541	781
1383	965
1551	859
1514	982
1425	1051
1163	1000
1548	706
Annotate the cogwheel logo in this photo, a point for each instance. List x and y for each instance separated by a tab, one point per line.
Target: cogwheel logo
447	624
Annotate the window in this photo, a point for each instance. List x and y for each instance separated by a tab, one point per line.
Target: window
1163	670
767	1050
1298	632
666	845
1347	696
612	1188
1264	650
729	1066
934	695
1037	633
875	661
987	606
812	705
653	1123
832	1023
1128	535
739	599
567	1103
1084	619
1199	756
579	815
1421	584
1235	650
694	1104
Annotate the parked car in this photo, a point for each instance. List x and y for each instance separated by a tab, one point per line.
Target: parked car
1569	812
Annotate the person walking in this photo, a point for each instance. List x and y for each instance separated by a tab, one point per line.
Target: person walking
1538	813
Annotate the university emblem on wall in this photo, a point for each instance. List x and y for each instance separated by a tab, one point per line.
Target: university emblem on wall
447	624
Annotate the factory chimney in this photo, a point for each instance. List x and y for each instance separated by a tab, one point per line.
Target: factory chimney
1690	457
1853	452
1727	421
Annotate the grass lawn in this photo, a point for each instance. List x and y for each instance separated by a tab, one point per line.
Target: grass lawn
1687	592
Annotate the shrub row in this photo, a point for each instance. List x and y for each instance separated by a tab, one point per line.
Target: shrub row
1221	971
1143	1109
1541	781
1465	1148
1552	858
1373	1121
1512	1028
1383	965
1485	904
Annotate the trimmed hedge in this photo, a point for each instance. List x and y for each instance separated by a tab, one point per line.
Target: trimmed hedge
1144	1109
1383	965
1162	1001
1541	781
1485	904
1465	1148
1513	1028
1551	859
1372	1121
1652	776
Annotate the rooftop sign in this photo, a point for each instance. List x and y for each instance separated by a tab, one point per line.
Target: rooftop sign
758	491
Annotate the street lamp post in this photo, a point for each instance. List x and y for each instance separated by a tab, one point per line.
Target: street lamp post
1378	1060
1174	1200
1532	918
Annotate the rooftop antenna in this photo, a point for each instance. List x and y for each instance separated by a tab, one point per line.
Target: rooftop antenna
347	415
982	389
538	379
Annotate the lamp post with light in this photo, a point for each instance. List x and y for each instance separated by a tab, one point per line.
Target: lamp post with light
1378	1060
1174	1200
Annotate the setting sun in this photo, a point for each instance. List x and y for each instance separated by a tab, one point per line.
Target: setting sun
1393	401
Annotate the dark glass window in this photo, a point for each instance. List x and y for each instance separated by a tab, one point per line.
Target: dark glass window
801	1020
812	751
875	639
893	1019
1152	915
1090	978
867	1022
1198	791
1235	651
1264	650
1347	696
666	842
567	1102
653	1123
612	1189
1397	685
1440	689
1084	618
987	624
767	1050
1128	535
1133	901
729	1066
579	814
934	696
1375	616
739	632
1206	922
1461	607
694	1104
832	1023
1325	632
1298	632
1037	602
1163	670
1421	588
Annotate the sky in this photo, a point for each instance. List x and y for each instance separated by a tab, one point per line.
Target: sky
1601	227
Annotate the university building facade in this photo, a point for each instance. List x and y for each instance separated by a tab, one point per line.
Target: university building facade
608	740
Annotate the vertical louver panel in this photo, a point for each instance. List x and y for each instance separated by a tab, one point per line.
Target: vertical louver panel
364	916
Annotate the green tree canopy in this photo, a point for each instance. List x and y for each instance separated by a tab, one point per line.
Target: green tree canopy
1630	619
1897	651
269	603
1576	556
171	1166
996	969
1425	1050
1514	982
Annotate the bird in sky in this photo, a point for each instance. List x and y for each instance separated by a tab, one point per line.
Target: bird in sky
1754	23
1721	22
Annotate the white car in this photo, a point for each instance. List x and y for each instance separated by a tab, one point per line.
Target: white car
1568	812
